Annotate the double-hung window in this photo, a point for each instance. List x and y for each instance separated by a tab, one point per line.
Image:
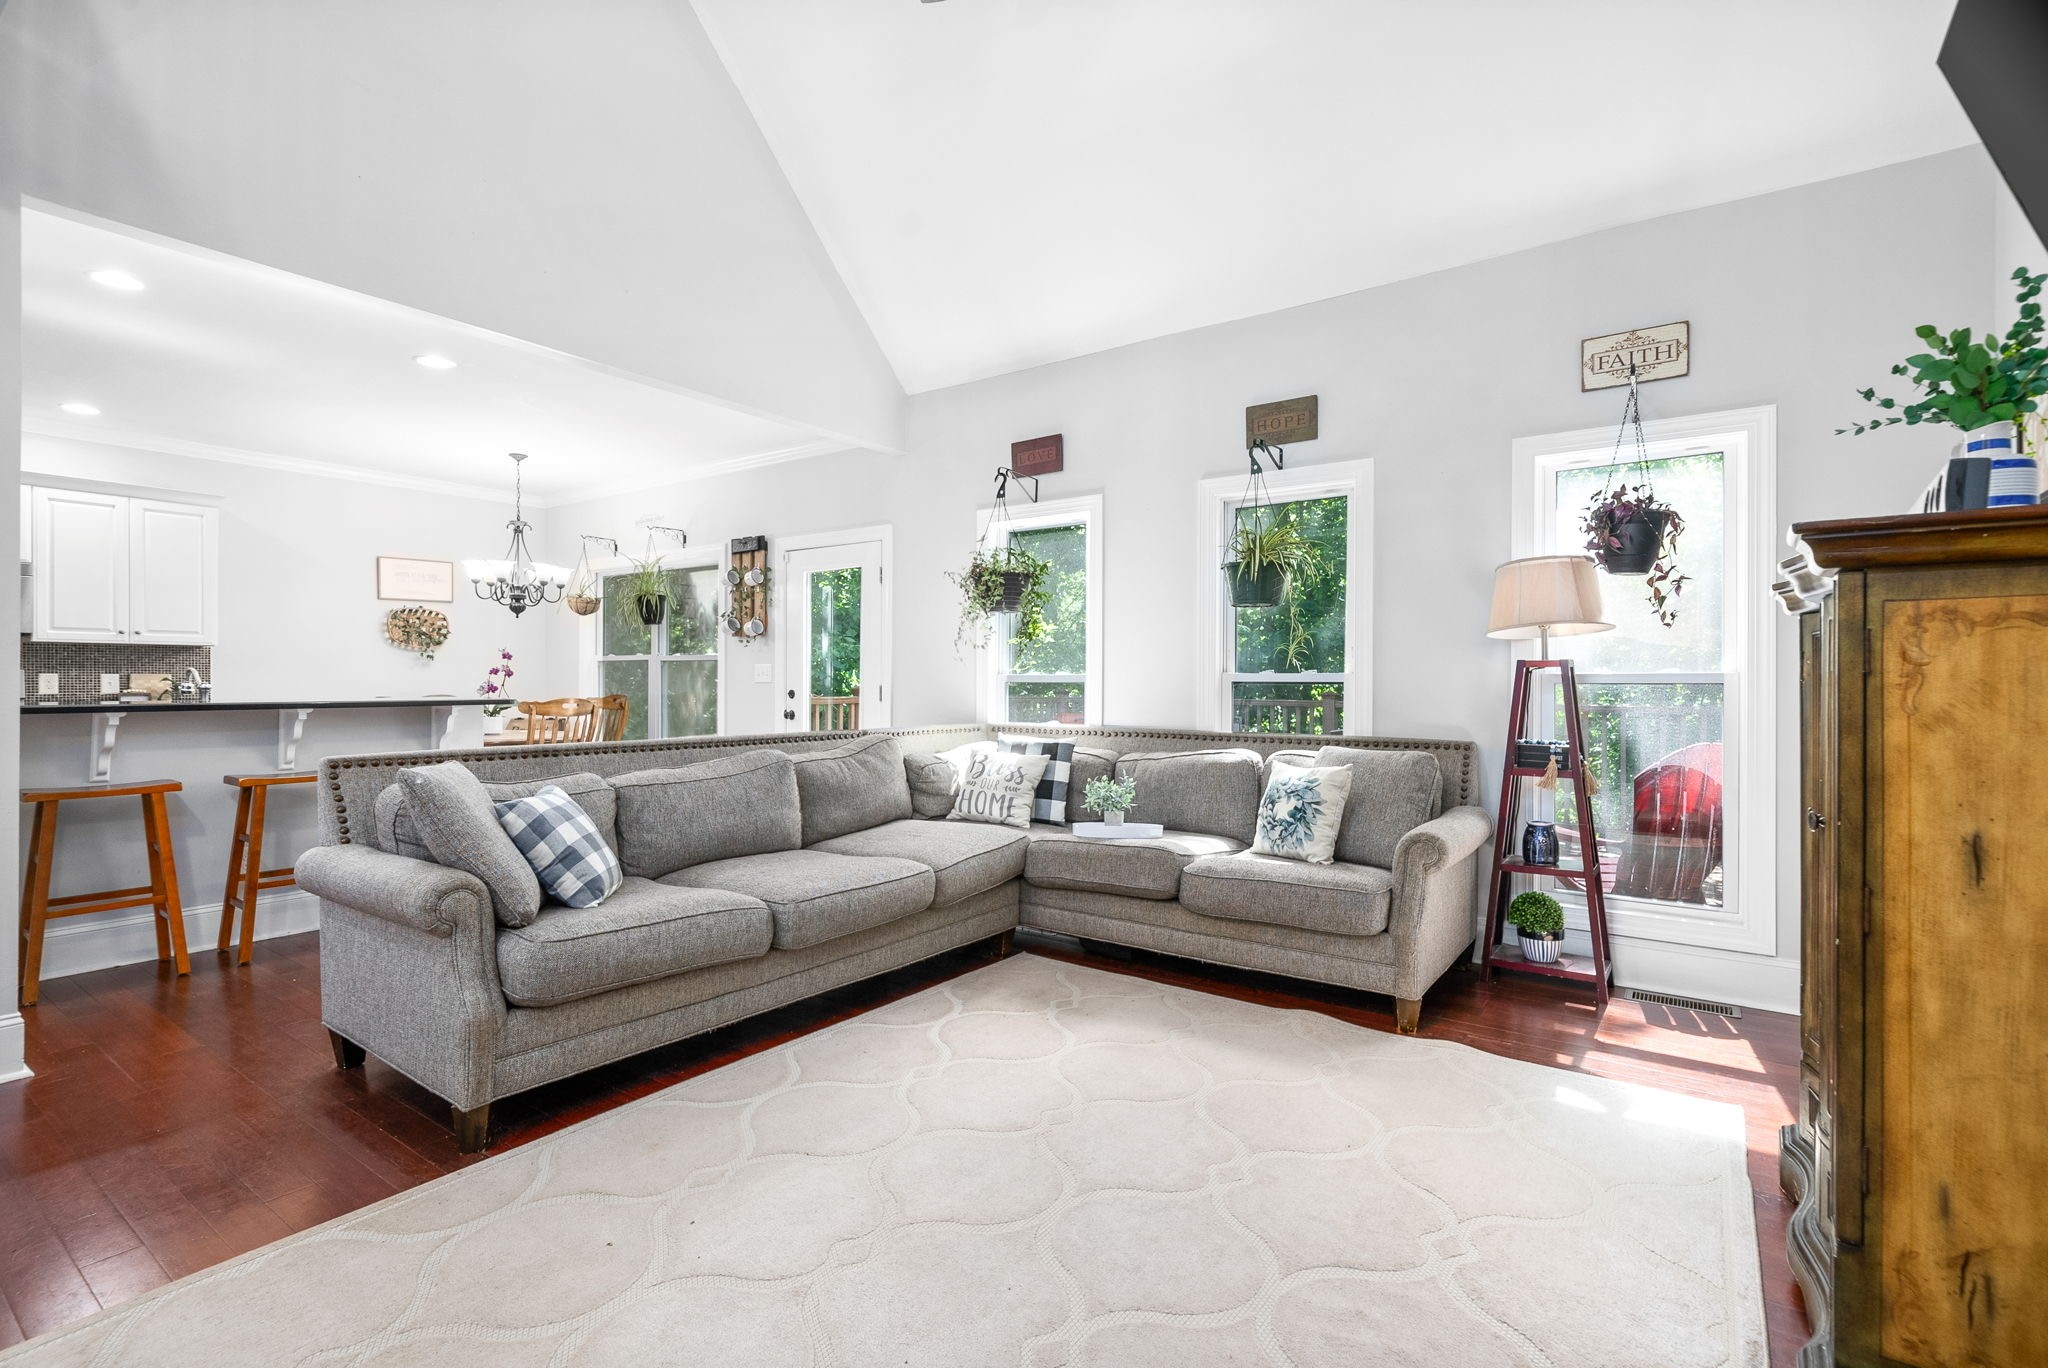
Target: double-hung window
1058	677
1678	719
667	669
1301	665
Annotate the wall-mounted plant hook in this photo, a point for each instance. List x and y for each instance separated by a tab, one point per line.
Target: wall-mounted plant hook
1003	477
1272	453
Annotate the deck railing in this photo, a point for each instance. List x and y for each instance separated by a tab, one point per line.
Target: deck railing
1295	716
835	714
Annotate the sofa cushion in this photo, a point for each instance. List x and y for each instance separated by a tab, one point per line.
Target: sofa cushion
1392	793
1340	899
397	833
965	858
851	787
1215	792
815	895
932	780
717	810
460	829
644	931
1141	868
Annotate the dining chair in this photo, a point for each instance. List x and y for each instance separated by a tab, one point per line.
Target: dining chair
613	712
556	720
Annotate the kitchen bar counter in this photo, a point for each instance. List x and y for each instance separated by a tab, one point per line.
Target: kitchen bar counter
29	706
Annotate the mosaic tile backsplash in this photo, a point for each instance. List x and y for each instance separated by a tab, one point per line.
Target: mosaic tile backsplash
78	666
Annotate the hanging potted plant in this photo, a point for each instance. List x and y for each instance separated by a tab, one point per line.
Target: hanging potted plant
1983	387
1265	558
583	597
1001	579
647	587
1538	920
1629	530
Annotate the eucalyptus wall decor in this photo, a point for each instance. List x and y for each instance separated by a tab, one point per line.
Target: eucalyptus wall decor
417	628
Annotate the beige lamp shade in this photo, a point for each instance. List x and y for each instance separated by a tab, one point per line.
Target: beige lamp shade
1546	596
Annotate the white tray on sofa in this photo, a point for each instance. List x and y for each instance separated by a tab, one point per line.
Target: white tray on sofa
1122	831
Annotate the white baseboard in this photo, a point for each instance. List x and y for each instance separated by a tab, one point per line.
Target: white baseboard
13	1047
81	946
1765	982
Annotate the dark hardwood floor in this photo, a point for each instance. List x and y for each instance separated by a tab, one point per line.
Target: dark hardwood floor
173	1123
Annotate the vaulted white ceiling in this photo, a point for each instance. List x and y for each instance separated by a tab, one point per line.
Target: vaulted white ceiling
1004	183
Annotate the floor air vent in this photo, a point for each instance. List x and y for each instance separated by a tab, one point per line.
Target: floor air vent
1689	1004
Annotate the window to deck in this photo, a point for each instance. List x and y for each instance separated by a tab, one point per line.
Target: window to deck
1057	678
668	671
1679	727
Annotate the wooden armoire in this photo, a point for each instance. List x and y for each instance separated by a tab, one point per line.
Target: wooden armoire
1920	1158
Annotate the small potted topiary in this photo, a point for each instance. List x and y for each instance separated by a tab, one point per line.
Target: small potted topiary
1539	926
1110	797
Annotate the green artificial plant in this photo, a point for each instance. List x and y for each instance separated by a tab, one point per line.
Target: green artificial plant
1968	381
983	595
1536	914
1107	795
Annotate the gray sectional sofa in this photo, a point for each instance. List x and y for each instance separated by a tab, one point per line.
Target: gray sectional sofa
763	870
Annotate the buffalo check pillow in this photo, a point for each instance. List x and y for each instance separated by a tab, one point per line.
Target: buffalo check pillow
1049	803
574	865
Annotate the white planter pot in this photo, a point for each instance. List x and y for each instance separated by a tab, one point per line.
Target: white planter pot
1112	819
2015	479
494	726
1540	949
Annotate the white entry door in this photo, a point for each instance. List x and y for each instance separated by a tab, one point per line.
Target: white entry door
834	658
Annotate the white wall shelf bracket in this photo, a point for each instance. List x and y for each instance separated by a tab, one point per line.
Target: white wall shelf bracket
291	729
100	764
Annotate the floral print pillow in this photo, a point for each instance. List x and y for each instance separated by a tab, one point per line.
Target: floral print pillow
1301	811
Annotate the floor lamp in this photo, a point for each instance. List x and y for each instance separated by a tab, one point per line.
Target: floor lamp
1537	598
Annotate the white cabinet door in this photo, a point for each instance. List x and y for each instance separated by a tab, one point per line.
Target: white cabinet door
79	544
173	572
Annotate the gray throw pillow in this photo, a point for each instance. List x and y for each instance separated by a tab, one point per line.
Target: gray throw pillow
1392	793
670	819
932	780
398	834
1214	792
459	825
851	787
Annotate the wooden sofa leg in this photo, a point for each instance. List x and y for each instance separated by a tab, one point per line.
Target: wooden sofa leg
1407	1015
1006	944
472	1128
347	1054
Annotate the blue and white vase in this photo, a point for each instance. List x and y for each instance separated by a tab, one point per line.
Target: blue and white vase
2015	479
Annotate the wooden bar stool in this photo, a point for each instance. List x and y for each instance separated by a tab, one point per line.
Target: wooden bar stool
161	896
246	875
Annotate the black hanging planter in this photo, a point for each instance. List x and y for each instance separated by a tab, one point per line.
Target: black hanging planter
1016	584
652	608
1640	538
1260	589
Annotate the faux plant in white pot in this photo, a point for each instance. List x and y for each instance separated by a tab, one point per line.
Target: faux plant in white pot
1110	797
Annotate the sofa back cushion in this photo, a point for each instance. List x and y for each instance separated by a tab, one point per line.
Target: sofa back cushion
399	834
852	787
932	780
1215	792
1090	763
670	819
1392	793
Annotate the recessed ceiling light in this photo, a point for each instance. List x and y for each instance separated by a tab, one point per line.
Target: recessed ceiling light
116	279
81	409
435	361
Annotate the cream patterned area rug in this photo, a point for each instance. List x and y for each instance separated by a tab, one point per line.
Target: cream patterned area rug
1034	1164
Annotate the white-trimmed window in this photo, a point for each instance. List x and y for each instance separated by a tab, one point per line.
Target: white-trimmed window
1057	679
1679	722
1303	665
669	670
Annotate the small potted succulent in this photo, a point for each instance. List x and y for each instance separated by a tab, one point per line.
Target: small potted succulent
497	687
1630	531
1002	579
647	587
1110	797
1539	926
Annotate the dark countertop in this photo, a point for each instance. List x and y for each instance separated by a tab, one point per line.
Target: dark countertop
29	709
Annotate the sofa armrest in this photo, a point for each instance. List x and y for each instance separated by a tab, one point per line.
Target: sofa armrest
1436	878
416	893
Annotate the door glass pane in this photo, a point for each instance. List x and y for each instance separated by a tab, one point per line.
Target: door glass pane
692	626
1300	708
624	633
1656	751
628	677
835	649
1311	617
1695	486
690	694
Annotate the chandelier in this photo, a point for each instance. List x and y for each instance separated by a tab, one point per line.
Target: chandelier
517	581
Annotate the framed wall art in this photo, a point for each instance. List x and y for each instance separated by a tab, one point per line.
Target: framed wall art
422	581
